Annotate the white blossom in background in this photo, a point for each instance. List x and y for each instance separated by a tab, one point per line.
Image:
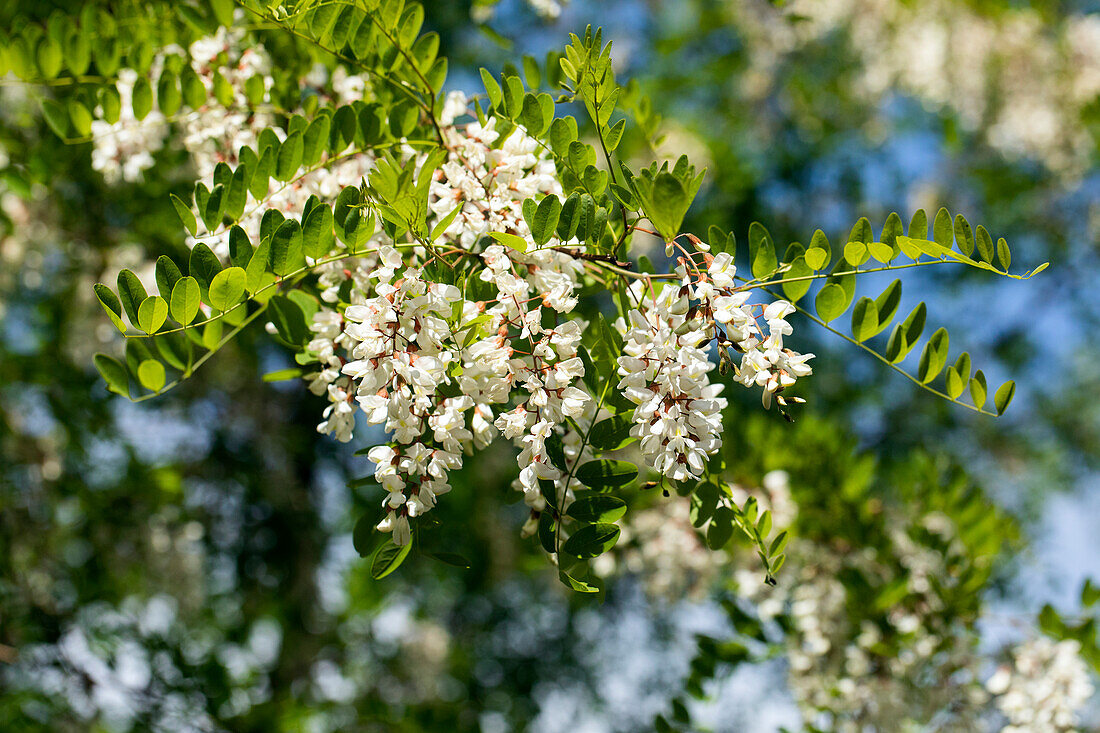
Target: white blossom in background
484	10
123	151
1004	70
840	674
666	553
1043	689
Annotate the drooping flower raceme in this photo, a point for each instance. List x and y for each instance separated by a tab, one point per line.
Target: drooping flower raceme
665	372
665	364
440	371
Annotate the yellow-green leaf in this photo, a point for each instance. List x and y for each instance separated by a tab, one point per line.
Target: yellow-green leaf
227	288
831	302
152	313
1004	396
151	375
978	389
510	240
864	319
185	300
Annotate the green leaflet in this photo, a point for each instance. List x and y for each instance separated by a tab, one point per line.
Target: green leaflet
542	219
831	302
591	540
387	558
601	508
865	319
114	374
227	288
1004	395
287	253
151	375
289	158
185	300
203	266
111	304
152	313
317	233
510	240
933	357
606	473
131	293
611	433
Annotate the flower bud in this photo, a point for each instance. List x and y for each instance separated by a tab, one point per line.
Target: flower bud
685	327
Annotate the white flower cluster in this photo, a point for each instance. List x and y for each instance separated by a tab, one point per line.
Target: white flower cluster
435	368
1044	688
665	364
211	134
848	676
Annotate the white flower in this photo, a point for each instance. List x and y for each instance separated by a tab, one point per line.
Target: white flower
722	270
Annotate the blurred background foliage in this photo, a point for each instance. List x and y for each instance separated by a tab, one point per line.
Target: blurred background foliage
187	564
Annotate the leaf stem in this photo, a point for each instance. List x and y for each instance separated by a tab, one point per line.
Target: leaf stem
882	358
560	509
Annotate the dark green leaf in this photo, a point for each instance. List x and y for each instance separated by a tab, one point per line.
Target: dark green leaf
317	235
111	304
287	255
604	473
591	540
544	219
611	433
289	320
187	217
721	528
167	274
114	374
203	266
132	294
601	508
761	251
